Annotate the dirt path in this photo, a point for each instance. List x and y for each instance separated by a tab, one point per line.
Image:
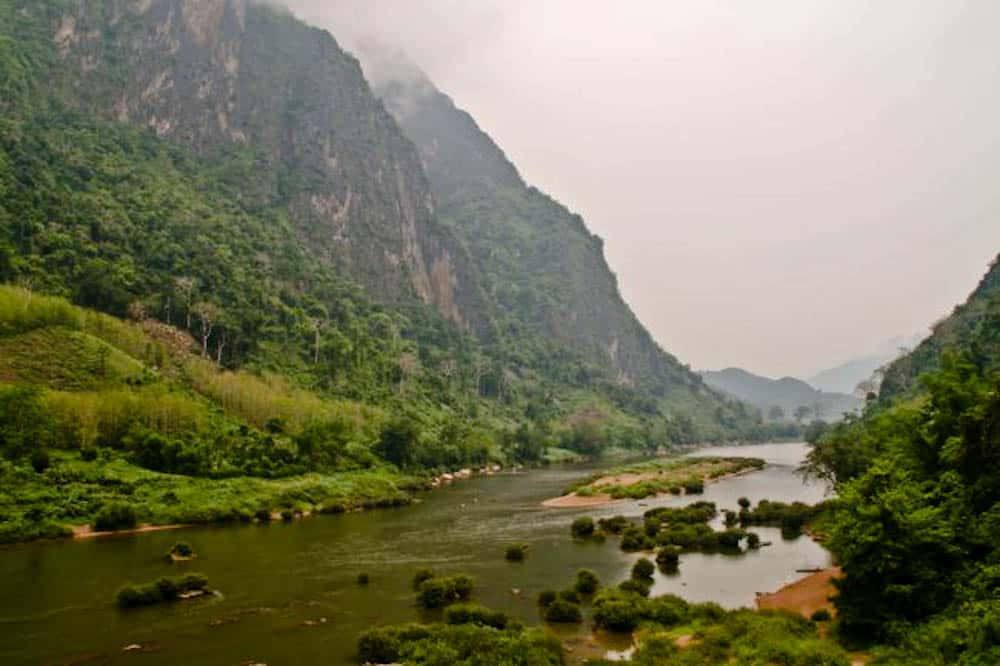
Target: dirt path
804	596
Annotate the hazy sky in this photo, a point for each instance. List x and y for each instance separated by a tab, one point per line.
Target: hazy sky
781	185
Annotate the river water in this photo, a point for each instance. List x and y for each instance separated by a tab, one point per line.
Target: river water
288	592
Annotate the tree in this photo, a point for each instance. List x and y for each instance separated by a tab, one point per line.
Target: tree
186	286
208	313
801	412
398	442
776	413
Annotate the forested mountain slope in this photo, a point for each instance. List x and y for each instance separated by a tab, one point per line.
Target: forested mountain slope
221	167
544	273
973	328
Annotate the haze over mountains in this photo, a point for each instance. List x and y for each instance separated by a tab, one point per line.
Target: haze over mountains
845	377
787	393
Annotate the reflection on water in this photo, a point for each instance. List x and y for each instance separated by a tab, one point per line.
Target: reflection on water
289	591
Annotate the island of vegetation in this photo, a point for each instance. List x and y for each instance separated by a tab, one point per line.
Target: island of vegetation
652	477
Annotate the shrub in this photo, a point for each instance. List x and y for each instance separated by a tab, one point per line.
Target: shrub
619	613
614	525
668	610
421	576
40	461
820	615
694	487
586	582
441	592
668	558
563	611
730	539
287	515
88	453
634	538
583	527
381	645
643	569
640	586
731	519
546	597
263	515
515	552
475	614
181	549
753	540
744	503
115	516
363	579
570	595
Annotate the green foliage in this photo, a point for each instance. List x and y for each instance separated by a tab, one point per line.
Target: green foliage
182	549
163	590
115	516
791	518
668	558
461	645
583	527
821	615
561	611
640	586
743	637
443	591
586	581
915	531
420	576
475	614
643	569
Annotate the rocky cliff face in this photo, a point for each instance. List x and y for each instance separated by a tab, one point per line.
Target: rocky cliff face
214	74
539	263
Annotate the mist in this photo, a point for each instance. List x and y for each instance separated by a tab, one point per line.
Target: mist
781	186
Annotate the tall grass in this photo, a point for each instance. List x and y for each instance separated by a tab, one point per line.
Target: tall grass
259	399
89	418
22	310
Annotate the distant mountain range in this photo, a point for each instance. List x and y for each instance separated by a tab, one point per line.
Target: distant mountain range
844	378
787	393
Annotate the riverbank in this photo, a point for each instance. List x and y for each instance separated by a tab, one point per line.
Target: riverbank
805	596
63	501
657	477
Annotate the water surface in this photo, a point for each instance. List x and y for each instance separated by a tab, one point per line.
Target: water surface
288	591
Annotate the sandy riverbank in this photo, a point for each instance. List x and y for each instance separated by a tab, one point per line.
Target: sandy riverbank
87	532
806	595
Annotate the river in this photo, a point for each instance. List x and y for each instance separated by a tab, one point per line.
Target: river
288	591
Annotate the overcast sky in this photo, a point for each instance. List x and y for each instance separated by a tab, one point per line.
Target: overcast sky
781	185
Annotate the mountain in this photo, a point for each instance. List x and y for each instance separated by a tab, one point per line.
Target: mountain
222	168
846	377
973	328
787	393
545	274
